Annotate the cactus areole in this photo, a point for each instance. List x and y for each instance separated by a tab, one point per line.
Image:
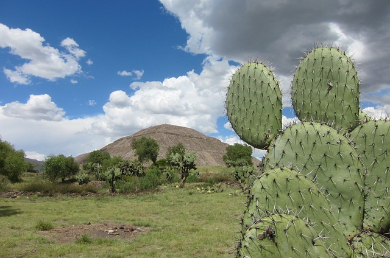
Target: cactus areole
254	104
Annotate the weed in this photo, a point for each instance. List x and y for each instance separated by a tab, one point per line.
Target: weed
43	225
84	239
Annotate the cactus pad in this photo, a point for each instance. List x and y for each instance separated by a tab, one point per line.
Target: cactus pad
287	191
254	104
373	145
283	236
370	244
320	153
325	89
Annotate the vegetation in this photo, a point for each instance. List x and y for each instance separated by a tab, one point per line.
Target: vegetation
60	167
181	160
238	155
323	190
12	163
146	149
198	224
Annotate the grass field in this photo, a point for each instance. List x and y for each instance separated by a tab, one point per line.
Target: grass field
178	222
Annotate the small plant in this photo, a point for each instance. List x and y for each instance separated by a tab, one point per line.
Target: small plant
84	239
4	182
43	225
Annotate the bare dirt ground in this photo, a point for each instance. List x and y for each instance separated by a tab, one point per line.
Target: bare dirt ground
105	230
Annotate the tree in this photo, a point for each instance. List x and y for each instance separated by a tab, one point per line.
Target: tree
179	148
98	157
56	167
238	155
146	149
181	160
12	163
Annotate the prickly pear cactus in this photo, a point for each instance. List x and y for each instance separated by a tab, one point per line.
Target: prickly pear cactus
337	202
321	154
285	191
325	89
282	235
373	145
254	104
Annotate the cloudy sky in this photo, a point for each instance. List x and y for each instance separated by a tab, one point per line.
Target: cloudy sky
77	75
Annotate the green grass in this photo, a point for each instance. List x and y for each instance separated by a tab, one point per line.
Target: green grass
183	223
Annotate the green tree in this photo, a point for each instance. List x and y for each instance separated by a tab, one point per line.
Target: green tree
146	149
98	157
179	148
238	155
181	160
60	167
12	163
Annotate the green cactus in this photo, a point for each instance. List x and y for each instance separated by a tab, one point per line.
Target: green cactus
320	153
254	104
287	191
283	236
369	244
373	145
325	89
337	151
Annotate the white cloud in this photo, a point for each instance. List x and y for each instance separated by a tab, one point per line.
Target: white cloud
48	137
37	107
73	81
377	113
92	102
124	73
89	62
193	100
137	73
44	61
250	29
35	155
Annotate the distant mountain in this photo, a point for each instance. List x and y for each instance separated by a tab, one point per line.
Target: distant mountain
38	165
209	151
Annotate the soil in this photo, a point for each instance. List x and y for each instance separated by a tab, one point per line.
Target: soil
105	230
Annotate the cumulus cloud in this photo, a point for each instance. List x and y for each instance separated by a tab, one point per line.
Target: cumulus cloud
124	73
73	81
89	62
39	138
279	31
193	100
37	107
44	61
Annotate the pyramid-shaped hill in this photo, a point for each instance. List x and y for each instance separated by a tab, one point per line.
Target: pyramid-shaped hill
209	151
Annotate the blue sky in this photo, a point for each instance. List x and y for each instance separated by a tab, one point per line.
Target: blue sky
77	75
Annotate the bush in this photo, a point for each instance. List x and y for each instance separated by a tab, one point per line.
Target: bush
151	180
4	183
82	178
130	185
60	167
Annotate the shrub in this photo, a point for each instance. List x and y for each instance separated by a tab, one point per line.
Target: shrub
151	180
83	178
4	181
60	167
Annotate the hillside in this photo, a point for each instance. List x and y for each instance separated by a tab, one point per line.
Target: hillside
209	151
